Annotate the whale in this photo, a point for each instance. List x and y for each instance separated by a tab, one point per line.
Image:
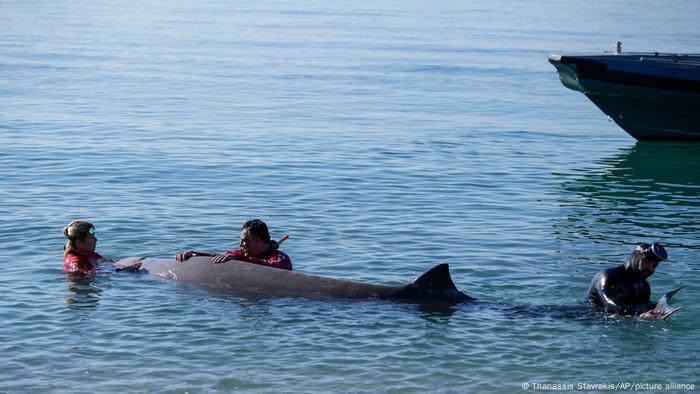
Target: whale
254	280
662	311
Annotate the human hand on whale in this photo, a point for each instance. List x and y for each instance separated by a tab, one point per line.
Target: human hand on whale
624	290
217	258
129	264
662	311
184	255
255	246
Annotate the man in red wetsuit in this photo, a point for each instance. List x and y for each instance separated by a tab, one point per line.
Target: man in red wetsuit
79	253
255	247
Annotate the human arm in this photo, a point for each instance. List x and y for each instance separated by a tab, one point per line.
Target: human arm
190	253
276	259
607	290
651	310
101	259
236	254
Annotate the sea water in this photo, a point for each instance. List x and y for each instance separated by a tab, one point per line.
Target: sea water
385	137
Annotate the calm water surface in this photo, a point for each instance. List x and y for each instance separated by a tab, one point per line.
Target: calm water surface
384	137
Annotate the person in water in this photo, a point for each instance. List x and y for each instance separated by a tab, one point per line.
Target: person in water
255	247
624	290
79	255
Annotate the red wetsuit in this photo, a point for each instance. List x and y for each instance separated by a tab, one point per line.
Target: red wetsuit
81	263
275	259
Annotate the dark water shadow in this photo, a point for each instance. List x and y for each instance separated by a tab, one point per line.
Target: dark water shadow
82	292
648	190
581	312
571	311
432	311
438	312
85	293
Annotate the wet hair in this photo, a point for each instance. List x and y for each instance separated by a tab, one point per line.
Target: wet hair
75	231
258	228
636	256
640	252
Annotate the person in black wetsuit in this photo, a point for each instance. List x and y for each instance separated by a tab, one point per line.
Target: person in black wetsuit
624	290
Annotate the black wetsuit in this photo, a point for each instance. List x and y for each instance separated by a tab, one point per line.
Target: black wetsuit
622	290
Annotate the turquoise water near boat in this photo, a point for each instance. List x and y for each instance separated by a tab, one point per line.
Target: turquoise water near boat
385	137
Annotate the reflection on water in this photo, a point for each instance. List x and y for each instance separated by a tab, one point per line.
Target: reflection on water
651	190
82	292
572	311
436	312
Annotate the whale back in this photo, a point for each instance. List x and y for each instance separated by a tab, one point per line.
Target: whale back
261	281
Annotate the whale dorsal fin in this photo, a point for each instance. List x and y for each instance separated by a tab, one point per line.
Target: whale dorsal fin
438	280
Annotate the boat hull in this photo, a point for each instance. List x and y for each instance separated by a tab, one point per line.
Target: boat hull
650	96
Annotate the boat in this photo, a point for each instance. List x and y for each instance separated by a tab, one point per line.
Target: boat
652	96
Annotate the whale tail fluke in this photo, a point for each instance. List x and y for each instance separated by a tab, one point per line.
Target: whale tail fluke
438	284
